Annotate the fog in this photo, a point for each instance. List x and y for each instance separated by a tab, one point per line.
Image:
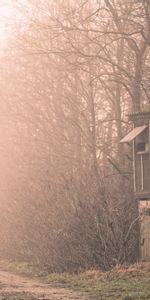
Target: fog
70	74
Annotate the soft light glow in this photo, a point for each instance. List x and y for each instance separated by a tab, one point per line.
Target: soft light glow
8	20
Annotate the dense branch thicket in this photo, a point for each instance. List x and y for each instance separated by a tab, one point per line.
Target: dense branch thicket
69	75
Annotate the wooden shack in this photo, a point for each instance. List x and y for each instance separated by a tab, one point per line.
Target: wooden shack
139	137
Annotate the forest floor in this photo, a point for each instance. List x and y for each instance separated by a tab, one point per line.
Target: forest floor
20	281
17	287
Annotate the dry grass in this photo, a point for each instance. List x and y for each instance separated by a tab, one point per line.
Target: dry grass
123	282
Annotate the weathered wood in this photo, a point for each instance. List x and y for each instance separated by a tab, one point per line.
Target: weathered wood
144	209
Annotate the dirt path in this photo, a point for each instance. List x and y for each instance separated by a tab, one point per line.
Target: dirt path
21	288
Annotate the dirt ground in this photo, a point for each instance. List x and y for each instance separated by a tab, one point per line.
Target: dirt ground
15	287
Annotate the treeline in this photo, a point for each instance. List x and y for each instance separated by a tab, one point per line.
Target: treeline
70	74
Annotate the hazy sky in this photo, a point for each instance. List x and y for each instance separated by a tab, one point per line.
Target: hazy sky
9	18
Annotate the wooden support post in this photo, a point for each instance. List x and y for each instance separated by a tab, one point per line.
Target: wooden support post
142	173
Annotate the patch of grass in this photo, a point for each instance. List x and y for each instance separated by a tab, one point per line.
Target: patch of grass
114	289
22	268
123	283
120	283
17	296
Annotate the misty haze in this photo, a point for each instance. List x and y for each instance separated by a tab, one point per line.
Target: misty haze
74	149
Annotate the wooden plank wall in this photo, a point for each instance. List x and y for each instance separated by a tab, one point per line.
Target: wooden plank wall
144	208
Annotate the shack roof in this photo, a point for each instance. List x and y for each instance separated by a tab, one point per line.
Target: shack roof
144	115
133	134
